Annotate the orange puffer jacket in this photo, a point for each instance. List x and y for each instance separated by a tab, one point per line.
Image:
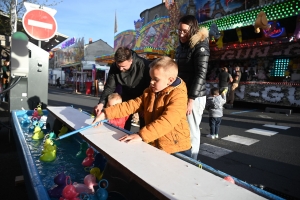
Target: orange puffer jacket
165	117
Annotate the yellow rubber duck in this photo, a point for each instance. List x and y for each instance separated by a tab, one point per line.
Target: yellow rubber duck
63	131
96	172
49	151
37	133
39	110
48	146
48	156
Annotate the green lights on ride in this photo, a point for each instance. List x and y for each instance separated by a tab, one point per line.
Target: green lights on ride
246	18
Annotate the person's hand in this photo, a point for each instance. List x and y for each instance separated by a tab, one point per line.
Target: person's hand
99	118
131	138
190	107
98	108
224	92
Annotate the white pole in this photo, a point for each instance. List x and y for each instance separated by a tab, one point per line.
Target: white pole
14	17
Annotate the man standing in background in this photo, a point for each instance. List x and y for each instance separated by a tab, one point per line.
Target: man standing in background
224	79
235	84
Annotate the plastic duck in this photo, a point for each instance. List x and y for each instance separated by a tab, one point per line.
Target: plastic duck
83	147
49	151
49	146
60	180
48	156
102	193
96	172
25	120
90	181
82	188
69	192
88	161
63	130
37	133
36	114
39	110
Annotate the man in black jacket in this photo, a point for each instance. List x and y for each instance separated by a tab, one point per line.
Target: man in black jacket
235	84
131	72
192	57
224	79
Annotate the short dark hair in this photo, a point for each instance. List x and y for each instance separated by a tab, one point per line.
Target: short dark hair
192	22
122	54
214	91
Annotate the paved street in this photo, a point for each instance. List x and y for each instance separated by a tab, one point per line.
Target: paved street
257	147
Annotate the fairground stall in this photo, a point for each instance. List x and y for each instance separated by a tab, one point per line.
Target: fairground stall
264	42
262	37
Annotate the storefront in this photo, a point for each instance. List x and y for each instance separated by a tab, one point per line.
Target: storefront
269	57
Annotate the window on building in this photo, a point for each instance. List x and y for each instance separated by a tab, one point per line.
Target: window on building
280	66
156	16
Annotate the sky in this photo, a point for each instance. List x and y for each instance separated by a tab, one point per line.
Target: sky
96	18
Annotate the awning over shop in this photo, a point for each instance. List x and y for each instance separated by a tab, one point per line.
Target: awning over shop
89	65
71	64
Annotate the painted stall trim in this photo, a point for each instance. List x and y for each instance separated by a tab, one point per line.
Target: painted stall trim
271	93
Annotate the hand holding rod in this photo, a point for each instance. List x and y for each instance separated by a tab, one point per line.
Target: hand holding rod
79	130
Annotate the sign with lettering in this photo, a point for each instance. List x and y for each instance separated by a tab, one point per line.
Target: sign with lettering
68	43
284	49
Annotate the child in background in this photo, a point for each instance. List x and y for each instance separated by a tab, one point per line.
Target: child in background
214	105
112	100
164	106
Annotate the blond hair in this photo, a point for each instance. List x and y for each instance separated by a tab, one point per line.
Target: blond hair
115	96
167	64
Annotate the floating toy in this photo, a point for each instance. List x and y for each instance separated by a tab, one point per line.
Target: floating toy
69	192
56	192
94	171
83	147
35	114
49	151
102	193
31	128
90	181
88	161
100	161
60	180
51	135
82	188
39	110
36	122
25	120
37	133
63	131
48	146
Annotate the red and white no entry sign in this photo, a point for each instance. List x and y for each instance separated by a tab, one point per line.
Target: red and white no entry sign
39	24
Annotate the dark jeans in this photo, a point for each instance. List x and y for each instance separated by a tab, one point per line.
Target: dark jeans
214	124
128	122
187	153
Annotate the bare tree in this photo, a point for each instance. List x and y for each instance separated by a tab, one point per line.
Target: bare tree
7	12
